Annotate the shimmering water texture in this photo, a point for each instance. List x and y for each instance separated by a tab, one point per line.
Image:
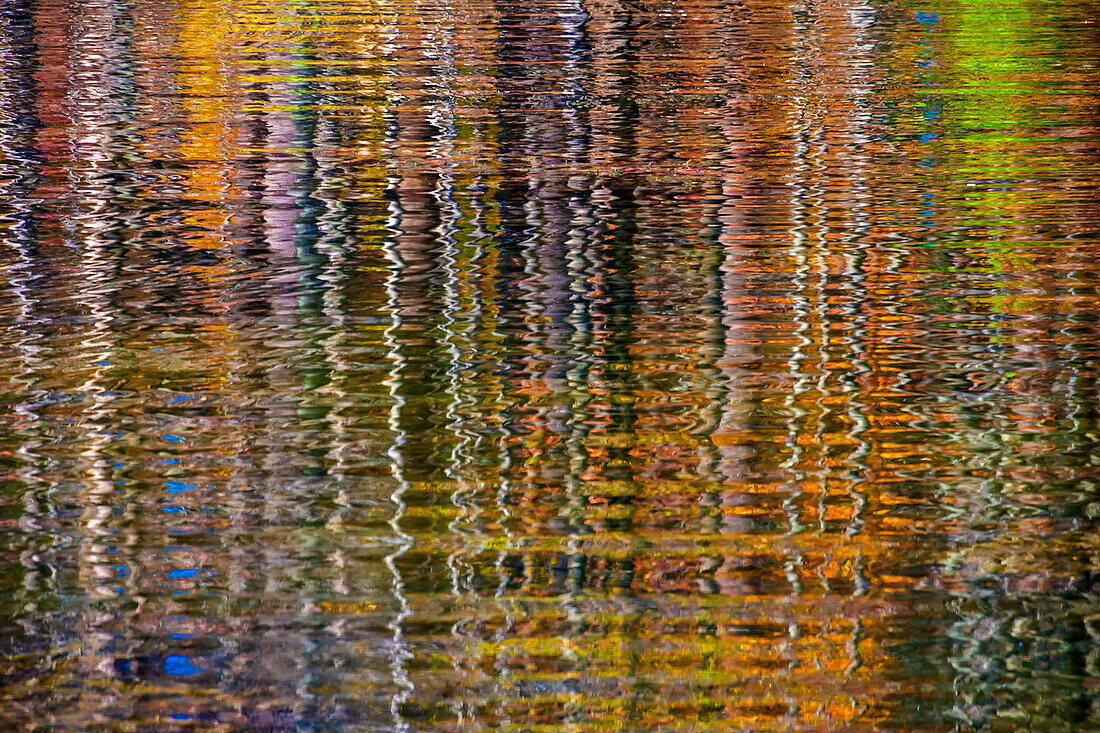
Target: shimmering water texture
583	365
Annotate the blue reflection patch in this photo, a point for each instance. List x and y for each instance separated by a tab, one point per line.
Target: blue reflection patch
179	665
183	573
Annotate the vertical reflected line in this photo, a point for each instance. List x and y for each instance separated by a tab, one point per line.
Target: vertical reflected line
453	323
96	68
400	653
858	411
480	312
862	17
611	297
19	164
97	347
802	196
578	267
1077	410
510	301
243	484
801	185
714	349
486	314
457	367
823	410
442	152
35	505
734	305
798	388
798	356
98	350
810	213
333	245
573	20
545	296
314	248
290	215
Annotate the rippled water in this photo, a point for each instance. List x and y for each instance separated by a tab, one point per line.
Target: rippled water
575	364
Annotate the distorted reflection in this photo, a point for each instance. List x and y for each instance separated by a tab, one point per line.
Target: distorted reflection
708	364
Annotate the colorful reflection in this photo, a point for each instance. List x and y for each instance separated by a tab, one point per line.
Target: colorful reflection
697	365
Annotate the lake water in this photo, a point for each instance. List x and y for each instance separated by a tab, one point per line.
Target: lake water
582	365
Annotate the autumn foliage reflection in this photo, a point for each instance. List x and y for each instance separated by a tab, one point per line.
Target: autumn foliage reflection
611	365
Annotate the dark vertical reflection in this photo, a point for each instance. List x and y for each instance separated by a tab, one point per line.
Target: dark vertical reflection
24	570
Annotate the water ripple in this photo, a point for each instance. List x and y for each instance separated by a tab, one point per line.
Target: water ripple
610	365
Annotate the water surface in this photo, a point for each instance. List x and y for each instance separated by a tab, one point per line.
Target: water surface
549	365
